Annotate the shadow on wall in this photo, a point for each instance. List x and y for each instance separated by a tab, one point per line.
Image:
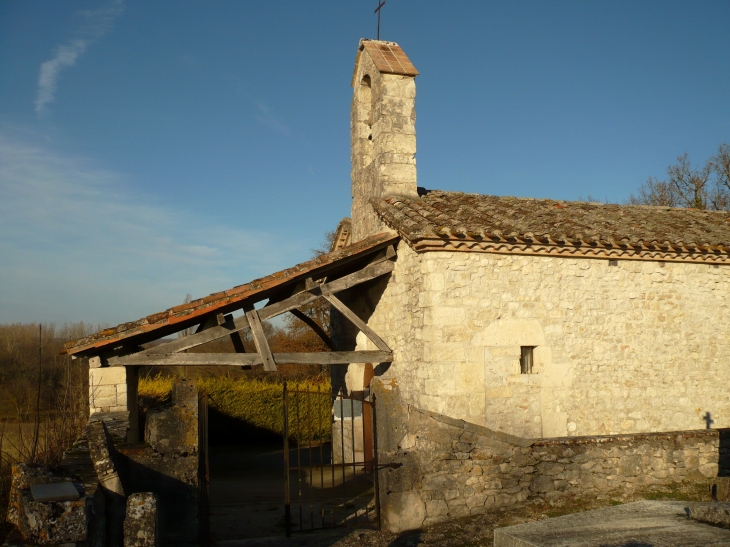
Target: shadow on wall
362	299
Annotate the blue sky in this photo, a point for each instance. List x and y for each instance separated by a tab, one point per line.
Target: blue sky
154	149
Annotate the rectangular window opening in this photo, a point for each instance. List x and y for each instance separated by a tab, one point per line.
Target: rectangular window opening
526	359
613	262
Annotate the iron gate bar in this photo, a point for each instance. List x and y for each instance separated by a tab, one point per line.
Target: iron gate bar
306	436
203	472
287	486
376	469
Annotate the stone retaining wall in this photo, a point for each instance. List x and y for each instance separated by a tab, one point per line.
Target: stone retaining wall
450	468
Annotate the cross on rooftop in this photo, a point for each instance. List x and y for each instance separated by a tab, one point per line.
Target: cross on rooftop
380	5
708	420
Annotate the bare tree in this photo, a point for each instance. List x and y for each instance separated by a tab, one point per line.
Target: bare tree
704	187
655	192
721	168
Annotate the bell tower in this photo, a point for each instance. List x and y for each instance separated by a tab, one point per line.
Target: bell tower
382	130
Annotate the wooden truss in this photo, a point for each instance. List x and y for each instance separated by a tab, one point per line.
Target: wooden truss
219	326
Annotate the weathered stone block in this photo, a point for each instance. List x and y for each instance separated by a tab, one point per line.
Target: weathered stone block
174	429
44	523
48	523
140	524
107	376
713	513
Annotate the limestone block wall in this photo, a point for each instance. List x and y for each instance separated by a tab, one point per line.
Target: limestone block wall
114	389
451	468
107	389
383	142
635	347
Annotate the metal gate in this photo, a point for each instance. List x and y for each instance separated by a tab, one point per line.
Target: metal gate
330	456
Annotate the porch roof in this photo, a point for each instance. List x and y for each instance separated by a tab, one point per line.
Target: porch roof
172	320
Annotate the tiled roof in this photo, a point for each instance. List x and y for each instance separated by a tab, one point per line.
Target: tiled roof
389	58
179	317
473	218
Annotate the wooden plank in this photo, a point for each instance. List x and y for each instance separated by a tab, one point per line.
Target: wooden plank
334	357
259	339
355	320
315	327
200	338
372	271
236	338
250	359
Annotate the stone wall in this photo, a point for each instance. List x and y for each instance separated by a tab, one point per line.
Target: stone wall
634	347
449	468
383	142
114	389
107	389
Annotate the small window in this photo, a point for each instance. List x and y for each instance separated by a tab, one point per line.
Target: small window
613	262
526	359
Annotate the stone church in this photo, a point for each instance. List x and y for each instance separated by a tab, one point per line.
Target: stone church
517	347
536	317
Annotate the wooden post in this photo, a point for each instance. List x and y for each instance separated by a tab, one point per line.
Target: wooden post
367	425
133	404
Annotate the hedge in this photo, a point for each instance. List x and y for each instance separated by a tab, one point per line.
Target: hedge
260	403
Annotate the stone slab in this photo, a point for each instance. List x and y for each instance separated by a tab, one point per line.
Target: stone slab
712	513
56	491
643	523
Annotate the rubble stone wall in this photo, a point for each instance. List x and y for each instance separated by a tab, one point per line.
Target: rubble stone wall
449	468
629	348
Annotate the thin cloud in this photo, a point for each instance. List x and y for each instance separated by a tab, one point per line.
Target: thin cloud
268	118
78	244
97	23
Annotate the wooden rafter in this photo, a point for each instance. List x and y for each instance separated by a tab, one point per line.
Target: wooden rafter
219	326
259	339
315	327
372	271
355	320
249	359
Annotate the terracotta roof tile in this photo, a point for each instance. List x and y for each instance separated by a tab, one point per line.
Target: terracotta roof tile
174	319
458	216
389	58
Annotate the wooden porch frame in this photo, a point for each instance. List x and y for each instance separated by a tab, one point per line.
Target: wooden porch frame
219	326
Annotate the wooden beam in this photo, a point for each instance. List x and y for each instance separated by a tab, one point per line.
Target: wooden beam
249	359
372	271
315	327
259	339
236	338
200	338
355	320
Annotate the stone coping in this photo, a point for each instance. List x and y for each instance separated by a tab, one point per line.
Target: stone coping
567	441
476	429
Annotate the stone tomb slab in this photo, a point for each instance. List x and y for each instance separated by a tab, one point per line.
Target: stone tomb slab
54	491
638	524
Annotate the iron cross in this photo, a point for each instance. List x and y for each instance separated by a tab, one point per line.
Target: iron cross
380	5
